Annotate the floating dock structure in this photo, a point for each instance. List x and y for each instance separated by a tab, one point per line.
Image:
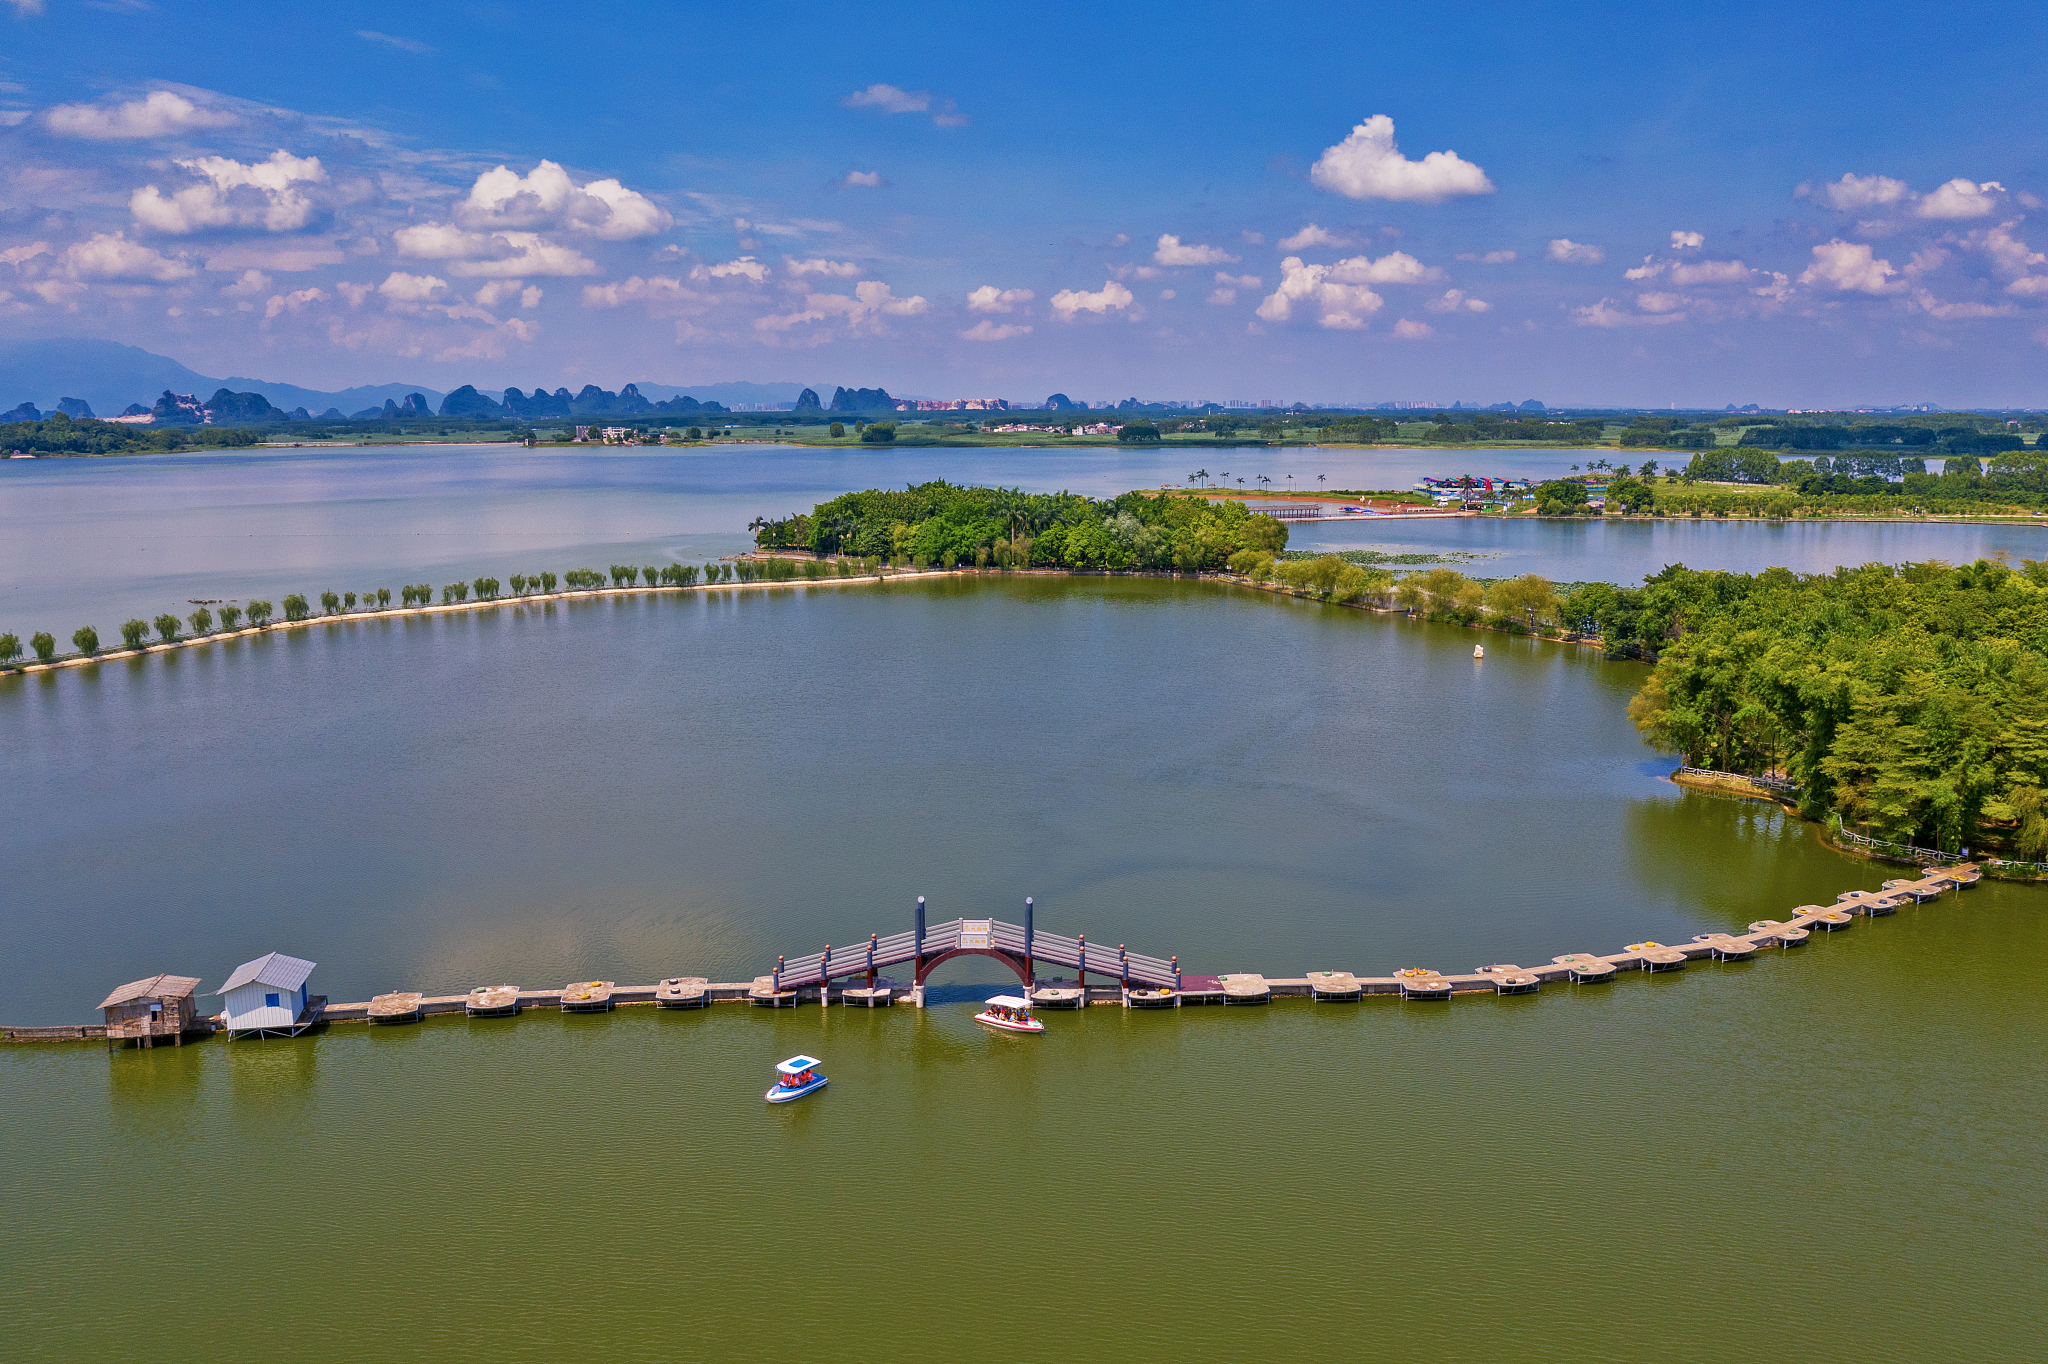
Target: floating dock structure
1509	979
400	1006
1245	988
1334	985
1140	981
587	997
682	992
491	1001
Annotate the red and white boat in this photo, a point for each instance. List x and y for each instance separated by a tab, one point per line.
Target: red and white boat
1009	1013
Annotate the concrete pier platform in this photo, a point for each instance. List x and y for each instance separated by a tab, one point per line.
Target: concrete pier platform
586	997
1422	982
491	1001
1245	988
1334	985
682	992
763	994
400	1006
1509	979
1583	968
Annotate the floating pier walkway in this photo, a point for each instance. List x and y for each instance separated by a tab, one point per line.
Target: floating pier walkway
852	976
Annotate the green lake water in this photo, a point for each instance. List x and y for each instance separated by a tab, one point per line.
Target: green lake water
1831	1153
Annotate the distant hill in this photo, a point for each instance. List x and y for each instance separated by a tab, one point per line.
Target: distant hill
110	376
733	394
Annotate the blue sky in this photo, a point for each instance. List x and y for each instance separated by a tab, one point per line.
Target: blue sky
1588	203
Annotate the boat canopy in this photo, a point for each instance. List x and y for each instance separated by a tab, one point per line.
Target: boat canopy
797	1065
1007	1002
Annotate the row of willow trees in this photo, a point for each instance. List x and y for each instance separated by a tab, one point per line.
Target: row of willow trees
943	524
225	617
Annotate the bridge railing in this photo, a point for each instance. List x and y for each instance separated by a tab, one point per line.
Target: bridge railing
1054	948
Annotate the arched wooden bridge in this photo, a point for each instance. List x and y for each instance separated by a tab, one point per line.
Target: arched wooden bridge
1018	946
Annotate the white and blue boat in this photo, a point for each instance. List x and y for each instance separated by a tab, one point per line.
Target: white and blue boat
796	1077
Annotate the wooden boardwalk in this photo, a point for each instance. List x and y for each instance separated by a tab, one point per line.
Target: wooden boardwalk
1139	980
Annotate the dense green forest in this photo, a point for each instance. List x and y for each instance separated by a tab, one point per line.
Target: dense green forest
940	523
1910	700
60	435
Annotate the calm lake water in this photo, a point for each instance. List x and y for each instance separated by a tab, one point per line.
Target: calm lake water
95	541
1828	1154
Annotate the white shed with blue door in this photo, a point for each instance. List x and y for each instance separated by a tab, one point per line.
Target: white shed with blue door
268	995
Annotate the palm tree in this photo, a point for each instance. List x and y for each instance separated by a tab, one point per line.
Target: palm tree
1320	478
1201	474
1240	482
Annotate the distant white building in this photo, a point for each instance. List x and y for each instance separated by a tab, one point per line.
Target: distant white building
268	995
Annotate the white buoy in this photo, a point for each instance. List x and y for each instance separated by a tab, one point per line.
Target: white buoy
1479	651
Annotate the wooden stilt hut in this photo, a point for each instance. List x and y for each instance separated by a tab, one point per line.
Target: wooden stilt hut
158	1006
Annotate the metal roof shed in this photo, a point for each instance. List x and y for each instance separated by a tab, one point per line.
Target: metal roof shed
268	996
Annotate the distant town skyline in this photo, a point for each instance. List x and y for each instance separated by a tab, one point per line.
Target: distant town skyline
1593	207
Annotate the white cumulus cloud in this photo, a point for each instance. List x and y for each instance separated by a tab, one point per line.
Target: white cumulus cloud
1413	331
1852	192
1850	267
1111	297
989	299
1338	305
987	330
292	302
654	290
863	179
1958	312
1311	235
1961	198
1396	267
871	300
835	269
746	267
547	199
1457	300
401	287
267	194
1687	241
1367	165
505	255
1172	251
1490	257
111	256
2009	255
158	114
1576	253
892	99
1605	314
1710	272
